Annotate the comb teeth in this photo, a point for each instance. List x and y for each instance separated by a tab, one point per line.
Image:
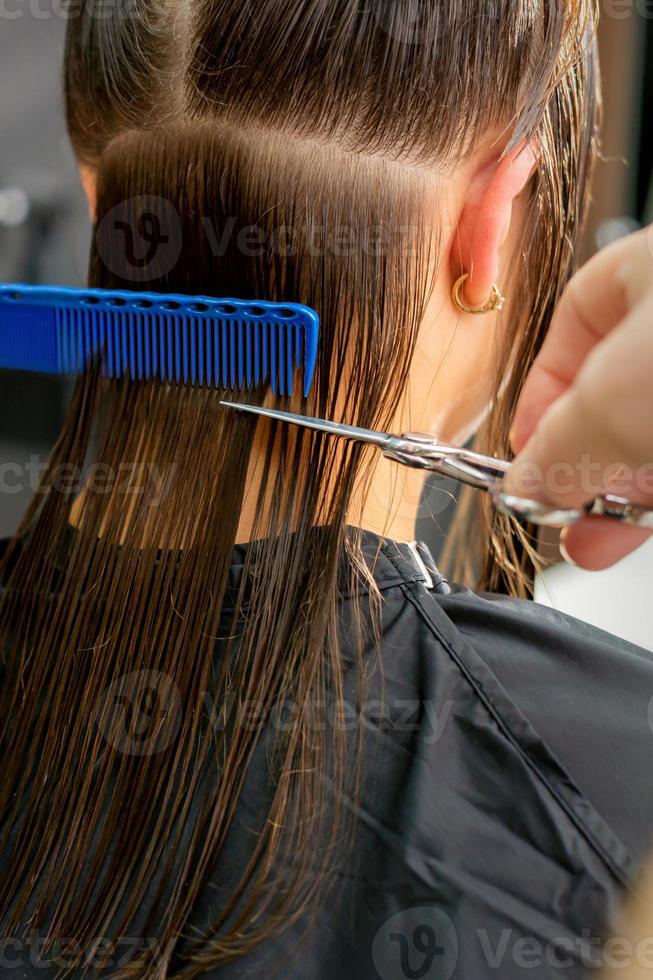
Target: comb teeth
201	342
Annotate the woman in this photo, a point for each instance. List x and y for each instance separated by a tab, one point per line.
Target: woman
246	729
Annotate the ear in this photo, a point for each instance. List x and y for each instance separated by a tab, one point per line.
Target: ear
484	223
89	183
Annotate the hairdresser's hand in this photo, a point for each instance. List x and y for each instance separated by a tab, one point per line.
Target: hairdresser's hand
584	423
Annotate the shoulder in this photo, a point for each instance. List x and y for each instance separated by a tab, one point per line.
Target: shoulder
474	761
587	694
511	631
533	648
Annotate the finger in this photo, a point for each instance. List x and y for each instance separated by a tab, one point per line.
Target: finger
598	543
596	437
556	464
595	301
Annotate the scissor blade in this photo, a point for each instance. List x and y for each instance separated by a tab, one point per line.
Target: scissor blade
320	425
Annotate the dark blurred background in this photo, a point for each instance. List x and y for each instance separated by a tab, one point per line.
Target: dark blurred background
44	227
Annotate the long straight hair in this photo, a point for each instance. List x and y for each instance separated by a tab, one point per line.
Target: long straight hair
287	150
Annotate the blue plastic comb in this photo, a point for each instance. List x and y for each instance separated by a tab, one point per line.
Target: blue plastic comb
190	340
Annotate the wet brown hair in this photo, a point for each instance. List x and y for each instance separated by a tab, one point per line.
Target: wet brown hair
302	117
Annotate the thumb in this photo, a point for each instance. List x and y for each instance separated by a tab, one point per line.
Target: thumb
554	465
595	302
556	468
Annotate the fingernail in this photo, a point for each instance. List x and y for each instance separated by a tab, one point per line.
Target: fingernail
563	548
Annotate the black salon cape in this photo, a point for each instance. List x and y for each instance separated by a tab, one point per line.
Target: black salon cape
507	799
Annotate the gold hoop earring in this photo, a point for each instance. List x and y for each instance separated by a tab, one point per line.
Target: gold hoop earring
496	301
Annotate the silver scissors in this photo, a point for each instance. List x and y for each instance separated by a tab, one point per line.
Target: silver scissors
473	469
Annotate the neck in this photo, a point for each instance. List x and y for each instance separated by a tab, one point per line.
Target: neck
388	505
